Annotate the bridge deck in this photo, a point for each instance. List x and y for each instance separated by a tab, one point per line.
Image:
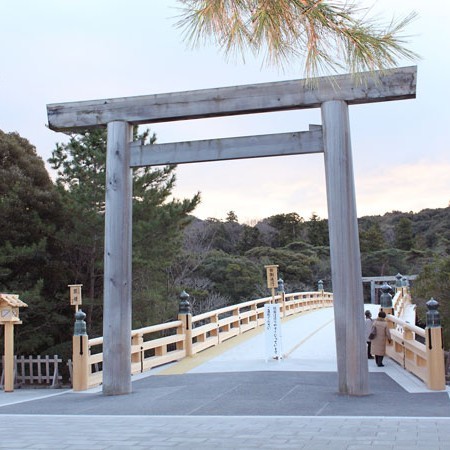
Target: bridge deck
308	344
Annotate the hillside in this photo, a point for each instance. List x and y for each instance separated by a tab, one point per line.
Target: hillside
228	258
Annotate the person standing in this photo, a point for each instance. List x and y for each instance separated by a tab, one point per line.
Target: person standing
368	325
382	334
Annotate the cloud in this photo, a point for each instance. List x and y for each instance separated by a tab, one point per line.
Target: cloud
260	188
406	187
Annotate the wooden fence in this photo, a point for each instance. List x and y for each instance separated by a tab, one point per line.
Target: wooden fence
29	370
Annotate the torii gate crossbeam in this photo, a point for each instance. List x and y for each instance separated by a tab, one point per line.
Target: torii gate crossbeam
332	94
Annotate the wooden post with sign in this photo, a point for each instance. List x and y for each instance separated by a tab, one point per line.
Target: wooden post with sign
9	316
272	278
75	295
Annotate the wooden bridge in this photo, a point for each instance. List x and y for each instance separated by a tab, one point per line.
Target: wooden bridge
307	323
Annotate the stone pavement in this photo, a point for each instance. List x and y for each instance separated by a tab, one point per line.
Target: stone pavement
85	432
238	400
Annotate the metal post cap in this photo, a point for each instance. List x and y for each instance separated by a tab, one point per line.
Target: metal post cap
80	324
280	285
385	297
433	315
184	307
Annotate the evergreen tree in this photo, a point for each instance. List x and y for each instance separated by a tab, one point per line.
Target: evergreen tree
434	281
404	239
250	238
317	231
31	214
298	269
289	227
232	217
372	240
232	276
157	226
324	35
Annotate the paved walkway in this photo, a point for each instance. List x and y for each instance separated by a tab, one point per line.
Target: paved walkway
232	398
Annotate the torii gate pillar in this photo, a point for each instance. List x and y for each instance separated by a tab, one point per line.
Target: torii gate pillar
344	250
117	280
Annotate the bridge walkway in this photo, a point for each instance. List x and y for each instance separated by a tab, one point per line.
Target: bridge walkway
309	345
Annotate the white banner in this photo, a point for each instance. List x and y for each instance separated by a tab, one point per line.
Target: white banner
273	331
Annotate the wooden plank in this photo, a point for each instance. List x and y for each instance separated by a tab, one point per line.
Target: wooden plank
344	251
8	361
281	144
154	328
161	342
155	361
369	87
117	278
204	329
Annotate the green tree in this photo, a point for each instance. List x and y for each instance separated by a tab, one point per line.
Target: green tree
157	226
298	269
317	231
250	238
235	277
232	217
30	264
434	281
326	36
404	239
372	239
289	227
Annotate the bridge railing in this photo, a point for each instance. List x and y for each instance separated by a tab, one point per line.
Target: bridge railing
214	327
419	351
168	342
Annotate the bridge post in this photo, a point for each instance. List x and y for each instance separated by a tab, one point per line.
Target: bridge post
344	250
386	302
117	279
372	292
80	354
185	316
435	350
281	293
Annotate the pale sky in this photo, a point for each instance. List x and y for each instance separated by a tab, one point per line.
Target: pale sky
71	50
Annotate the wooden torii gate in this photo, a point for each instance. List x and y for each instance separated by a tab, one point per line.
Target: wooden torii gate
333	95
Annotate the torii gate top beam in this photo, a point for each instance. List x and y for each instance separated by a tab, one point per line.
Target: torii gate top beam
369	87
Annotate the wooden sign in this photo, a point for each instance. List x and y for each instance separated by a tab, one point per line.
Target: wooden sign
272	326
272	276
75	294
9	308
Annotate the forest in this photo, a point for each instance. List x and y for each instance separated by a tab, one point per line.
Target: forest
51	235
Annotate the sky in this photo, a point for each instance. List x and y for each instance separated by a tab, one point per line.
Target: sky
55	51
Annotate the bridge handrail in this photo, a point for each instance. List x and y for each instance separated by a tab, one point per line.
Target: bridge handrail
226	309
210	329
406	325
425	357
159	344
155	328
